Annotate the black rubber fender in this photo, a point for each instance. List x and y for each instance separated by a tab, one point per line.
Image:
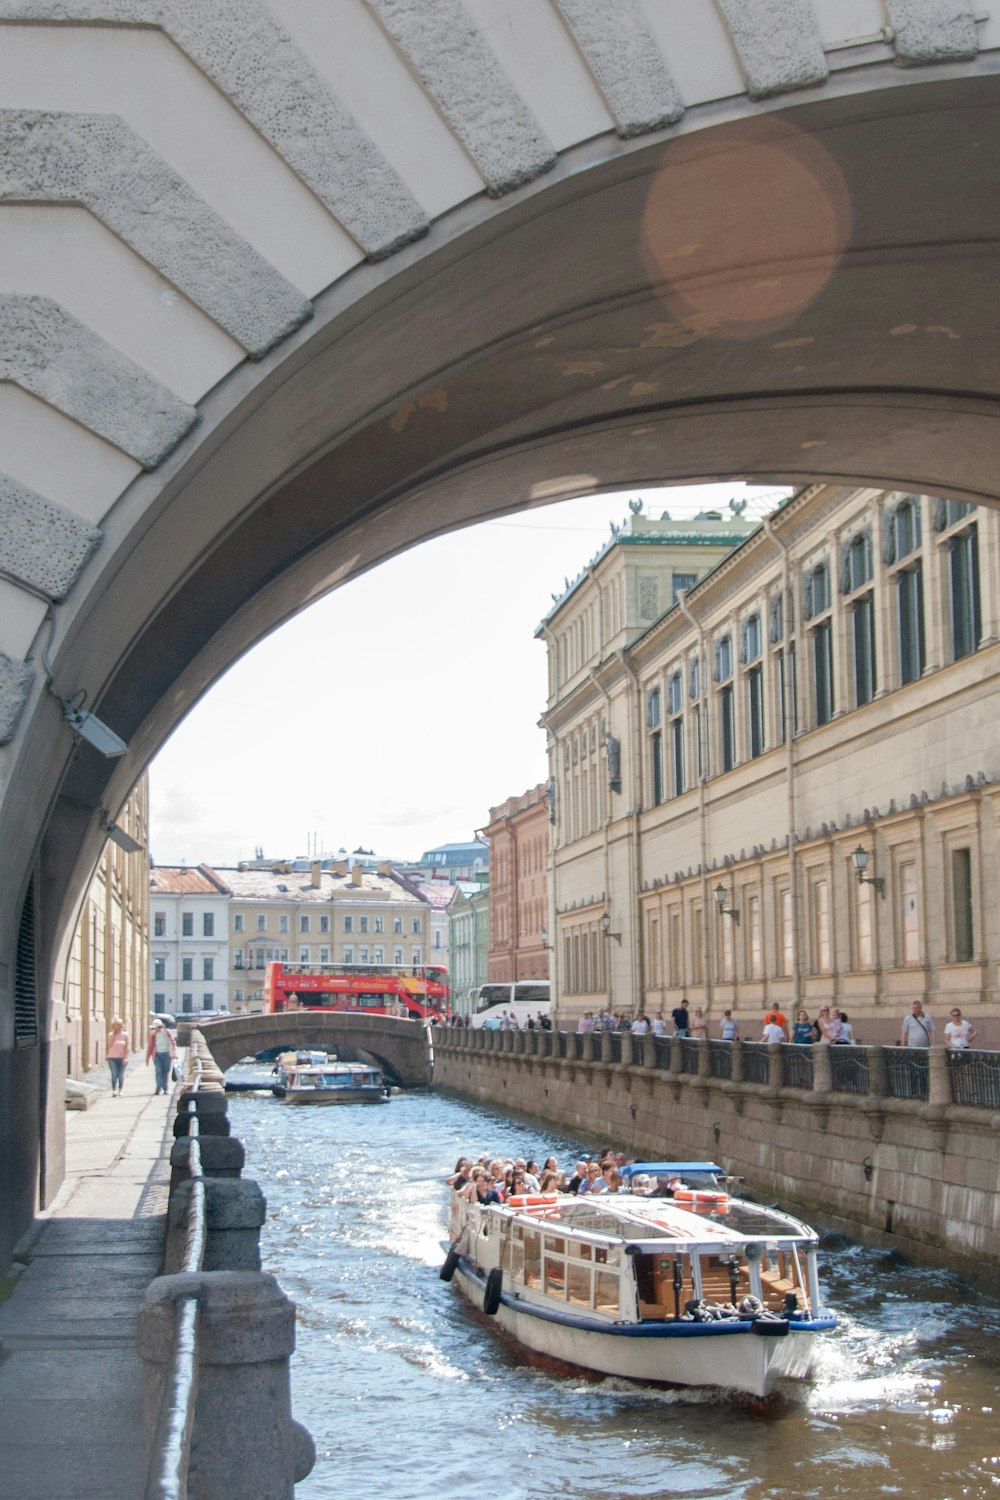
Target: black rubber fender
494	1288
450	1266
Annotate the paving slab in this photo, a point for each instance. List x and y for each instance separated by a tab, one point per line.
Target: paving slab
70	1373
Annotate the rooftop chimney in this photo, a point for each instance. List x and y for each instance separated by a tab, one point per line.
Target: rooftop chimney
385	868
316	873
340	867
356	875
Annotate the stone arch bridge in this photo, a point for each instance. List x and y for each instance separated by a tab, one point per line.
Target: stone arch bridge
402	1047
286	286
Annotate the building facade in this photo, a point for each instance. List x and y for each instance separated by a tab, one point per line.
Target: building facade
823	700
109	959
468	939
342	915
518	836
189	946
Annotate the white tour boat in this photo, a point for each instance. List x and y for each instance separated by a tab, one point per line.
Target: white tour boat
696	1289
315	1078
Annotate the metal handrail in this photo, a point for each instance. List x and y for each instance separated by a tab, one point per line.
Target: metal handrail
168	1469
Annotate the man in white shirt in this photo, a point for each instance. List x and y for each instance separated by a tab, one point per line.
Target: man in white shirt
773	1033
640	1025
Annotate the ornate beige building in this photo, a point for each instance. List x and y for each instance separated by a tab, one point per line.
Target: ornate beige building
830	687
109	960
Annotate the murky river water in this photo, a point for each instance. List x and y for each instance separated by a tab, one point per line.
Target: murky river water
410	1394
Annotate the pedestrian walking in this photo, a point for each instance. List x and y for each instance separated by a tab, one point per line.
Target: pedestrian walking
118	1050
161	1049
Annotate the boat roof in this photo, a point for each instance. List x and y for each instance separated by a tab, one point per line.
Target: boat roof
670	1168
653	1223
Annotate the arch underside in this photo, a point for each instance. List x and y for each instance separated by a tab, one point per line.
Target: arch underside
784	292
400	1048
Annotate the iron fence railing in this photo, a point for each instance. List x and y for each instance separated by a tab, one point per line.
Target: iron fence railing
798	1066
849	1071
963	1077
167	1476
975	1078
720	1059
907	1071
756	1062
689	1055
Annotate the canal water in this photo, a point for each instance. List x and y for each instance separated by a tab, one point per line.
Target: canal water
411	1394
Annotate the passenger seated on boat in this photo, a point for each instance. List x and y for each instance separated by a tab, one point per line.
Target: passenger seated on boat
460	1176
666	1187
548	1182
470	1190
529	1176
612	1178
643	1185
578	1178
593	1176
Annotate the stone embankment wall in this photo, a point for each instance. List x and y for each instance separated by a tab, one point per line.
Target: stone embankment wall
920	1175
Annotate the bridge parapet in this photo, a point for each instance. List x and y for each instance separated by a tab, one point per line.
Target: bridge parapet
216	1334
401	1047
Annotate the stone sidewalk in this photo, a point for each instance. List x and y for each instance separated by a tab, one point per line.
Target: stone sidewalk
70	1375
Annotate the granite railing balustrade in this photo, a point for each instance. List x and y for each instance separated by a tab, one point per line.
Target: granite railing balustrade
931	1075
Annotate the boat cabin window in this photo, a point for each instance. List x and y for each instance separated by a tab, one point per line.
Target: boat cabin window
532	1259
606	1292
579	1284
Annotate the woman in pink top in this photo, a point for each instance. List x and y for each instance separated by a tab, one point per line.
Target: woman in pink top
117	1054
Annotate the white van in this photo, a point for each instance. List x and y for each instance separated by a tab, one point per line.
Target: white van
528	997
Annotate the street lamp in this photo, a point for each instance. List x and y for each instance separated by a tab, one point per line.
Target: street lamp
726	911
606	928
859	859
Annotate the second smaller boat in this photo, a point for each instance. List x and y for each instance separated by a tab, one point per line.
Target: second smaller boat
316	1078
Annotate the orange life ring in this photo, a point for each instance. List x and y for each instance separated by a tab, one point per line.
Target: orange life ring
699	1197
532	1200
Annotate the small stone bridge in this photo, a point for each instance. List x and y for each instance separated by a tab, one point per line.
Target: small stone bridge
401	1047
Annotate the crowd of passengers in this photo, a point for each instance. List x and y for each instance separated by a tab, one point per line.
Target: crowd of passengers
500	1180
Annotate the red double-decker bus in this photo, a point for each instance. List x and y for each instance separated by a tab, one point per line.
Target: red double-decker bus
416	990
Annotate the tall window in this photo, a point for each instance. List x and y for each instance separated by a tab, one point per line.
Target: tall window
863	642
755	711
961	905
380	924
966	610
727	729
864	917
397	924
697	945
910	615
160	924
397	956
362	954
159	969
283	922
821	926
208	924
856	574
785	938
653	722
262	921
348	924
187	924
675	704
348	953
187	968
303	922
822	644
909	912
676	950
727	724
208	968
324	922
415	926
726	924
902	549
238	921
754	943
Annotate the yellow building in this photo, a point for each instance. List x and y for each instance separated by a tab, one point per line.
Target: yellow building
338	915
109	960
784	790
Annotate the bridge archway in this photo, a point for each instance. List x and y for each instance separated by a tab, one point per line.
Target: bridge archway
400	1047
592	247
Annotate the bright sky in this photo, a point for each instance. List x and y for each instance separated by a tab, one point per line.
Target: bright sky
421	684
